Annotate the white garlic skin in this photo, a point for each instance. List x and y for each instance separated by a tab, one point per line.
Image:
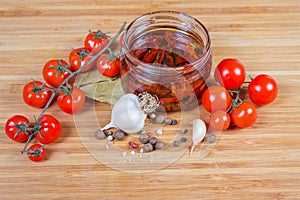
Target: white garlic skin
127	115
199	131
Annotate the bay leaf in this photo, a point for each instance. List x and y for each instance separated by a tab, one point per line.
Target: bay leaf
99	87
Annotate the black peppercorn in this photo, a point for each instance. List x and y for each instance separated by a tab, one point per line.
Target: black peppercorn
183	139
175	143
153	140
144	138
119	135
148	147
159	145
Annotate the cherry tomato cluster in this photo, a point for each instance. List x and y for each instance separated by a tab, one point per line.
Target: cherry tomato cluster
57	74
46	129
223	99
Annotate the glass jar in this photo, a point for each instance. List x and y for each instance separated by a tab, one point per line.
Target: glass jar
167	54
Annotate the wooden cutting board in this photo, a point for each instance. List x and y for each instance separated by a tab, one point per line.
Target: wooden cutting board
260	162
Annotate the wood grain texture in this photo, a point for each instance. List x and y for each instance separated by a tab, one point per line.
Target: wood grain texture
261	162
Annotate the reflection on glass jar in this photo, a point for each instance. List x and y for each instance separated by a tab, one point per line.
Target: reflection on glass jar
166	54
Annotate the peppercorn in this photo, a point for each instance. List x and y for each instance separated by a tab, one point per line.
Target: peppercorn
174	122
153	140
149	135
148	147
144	139
175	143
183	139
133	145
152	116
211	138
110	138
160	119
168	121
119	135
183	130
100	135
159	145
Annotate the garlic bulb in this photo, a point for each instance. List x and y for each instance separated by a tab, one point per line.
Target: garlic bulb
127	115
199	132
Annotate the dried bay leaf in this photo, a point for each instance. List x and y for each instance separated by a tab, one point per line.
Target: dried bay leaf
100	88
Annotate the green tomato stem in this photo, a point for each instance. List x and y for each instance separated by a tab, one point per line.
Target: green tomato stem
93	58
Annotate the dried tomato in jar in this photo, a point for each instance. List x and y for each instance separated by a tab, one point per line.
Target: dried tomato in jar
166	54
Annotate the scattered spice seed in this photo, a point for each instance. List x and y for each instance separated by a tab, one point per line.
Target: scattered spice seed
133	145
119	135
168	121
110	138
160	119
144	139
183	130
174	122
175	143
211	138
153	140
124	154
100	135
183	139
152	116
149	135
159	131
132	152
141	150
148	147
159	145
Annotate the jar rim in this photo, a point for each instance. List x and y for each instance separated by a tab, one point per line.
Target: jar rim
202	57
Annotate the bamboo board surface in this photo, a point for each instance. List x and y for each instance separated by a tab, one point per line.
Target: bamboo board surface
261	162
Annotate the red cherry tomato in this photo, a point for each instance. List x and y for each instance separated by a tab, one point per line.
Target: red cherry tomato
219	120
79	57
230	73
262	89
56	71
72	102
107	67
36	153
16	128
95	41
49	129
36	94
244	115
216	98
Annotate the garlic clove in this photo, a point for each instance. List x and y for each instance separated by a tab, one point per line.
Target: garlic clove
199	132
